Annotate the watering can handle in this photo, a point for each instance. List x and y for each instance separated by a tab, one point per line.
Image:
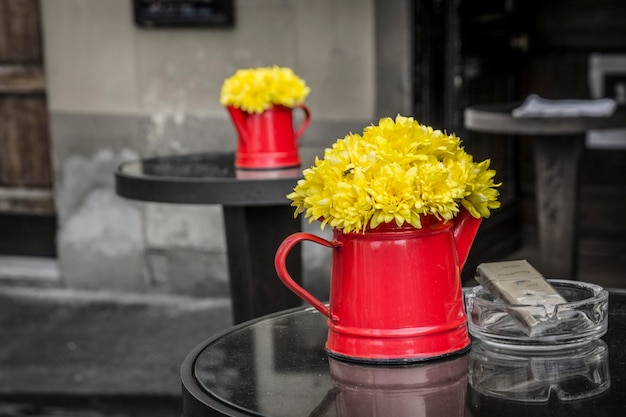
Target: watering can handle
305	122
283	274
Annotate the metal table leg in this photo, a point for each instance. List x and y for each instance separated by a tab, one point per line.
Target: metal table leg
556	179
253	234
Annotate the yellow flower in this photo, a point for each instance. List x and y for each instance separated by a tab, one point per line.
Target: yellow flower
395	171
255	90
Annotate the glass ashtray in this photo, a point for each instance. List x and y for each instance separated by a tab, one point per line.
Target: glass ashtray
583	318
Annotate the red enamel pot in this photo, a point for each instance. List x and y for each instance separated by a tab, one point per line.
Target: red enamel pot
268	140
395	292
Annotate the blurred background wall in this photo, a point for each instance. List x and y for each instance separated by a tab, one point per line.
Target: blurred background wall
84	88
117	91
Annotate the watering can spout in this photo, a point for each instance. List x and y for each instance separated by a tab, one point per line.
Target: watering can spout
465	230
239	120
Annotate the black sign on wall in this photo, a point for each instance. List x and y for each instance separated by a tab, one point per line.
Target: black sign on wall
184	13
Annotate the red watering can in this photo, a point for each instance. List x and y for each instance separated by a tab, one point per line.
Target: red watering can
395	292
267	140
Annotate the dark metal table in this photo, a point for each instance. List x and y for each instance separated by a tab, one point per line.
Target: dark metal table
558	143
257	217
276	366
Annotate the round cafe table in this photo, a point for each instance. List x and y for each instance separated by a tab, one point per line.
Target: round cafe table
257	217
558	143
276	366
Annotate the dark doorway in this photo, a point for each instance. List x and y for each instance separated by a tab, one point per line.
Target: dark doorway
481	51
469	52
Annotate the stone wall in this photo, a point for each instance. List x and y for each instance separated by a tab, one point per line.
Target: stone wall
118	92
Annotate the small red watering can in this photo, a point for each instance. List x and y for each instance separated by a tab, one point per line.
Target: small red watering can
267	140
395	292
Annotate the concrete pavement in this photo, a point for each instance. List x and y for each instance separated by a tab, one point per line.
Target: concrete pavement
65	347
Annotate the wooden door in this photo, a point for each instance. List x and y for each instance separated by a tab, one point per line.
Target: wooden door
26	204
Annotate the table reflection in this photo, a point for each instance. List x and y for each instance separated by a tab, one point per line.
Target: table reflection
271	367
434	389
530	376
276	366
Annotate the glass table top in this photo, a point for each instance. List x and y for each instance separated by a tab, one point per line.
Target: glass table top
203	178
277	366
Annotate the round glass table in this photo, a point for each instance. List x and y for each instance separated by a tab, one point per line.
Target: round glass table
558	143
276	366
257	217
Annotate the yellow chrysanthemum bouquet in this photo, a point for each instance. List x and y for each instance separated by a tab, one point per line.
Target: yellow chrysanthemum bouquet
255	90
398	170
